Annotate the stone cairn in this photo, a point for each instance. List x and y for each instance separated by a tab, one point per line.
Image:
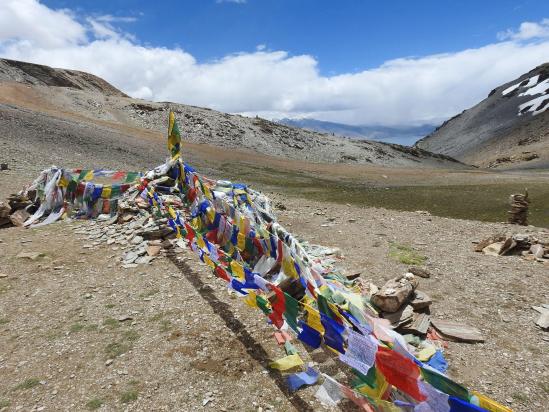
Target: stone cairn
518	215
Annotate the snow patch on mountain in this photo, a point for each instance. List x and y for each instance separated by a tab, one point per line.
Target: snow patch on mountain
536	106
539	89
532	81
531	87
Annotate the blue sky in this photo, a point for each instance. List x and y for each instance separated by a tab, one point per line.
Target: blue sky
345	36
404	63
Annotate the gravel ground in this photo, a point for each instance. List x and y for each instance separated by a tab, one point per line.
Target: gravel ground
188	341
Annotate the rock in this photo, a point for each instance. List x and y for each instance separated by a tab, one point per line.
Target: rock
144	260
136	240
537	250
153	250
126	217
422	273
493	249
108	362
420	301
419	325
488	241
130	257
3	275
507	246
395	293
166	244
543	320
5	221
457	332
3	166
19	217
400	317
5	210
155	233
112	220
124	318
30	255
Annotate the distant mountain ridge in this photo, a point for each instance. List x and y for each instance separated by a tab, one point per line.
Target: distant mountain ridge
406	135
510	128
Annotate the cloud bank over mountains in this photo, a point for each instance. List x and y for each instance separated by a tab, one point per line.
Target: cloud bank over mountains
271	83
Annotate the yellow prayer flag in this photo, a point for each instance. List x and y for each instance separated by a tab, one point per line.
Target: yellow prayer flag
241	245
174	138
288	362
211	214
376	393
251	299
208	261
106	192
289	268
385	406
63	182
490	404
172	213
237	270
207	192
426	353
200	242
313	319
88	176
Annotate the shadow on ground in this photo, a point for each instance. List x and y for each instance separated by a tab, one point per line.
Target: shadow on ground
254	349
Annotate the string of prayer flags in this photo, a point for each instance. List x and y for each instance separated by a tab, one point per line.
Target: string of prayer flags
231	228
287	362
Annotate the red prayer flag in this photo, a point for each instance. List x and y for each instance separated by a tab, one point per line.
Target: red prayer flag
399	371
278	306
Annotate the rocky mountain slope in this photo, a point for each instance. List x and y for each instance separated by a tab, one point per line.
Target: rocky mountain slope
81	96
510	128
35	74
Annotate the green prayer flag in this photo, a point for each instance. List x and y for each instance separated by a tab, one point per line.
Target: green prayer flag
291	311
444	384
263	304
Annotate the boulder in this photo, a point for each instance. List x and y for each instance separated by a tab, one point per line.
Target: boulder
422	273
19	217
420	301
5	210
537	251
395	293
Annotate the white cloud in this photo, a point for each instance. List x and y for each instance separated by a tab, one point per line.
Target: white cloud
108	18
527	30
270	83
232	1
28	20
